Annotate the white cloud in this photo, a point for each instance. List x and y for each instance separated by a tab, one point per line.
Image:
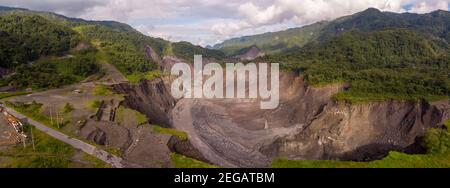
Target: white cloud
423	6
300	12
209	21
66	7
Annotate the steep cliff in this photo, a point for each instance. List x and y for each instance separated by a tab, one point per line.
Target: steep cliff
308	124
362	132
151	98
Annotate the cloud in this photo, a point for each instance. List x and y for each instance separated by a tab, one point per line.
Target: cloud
66	7
198	33
209	21
423	6
299	12
302	12
163	9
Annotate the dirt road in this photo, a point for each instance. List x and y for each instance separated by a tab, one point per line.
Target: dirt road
114	161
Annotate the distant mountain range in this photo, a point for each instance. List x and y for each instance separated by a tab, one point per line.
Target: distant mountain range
436	23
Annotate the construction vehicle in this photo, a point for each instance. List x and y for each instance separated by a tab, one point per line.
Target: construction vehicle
14	122
12	138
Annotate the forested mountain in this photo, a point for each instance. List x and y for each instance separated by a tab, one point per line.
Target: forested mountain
273	42
436	23
386	64
126	48
186	51
61	19
380	54
27	36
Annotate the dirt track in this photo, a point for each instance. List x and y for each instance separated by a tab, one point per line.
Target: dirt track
138	144
78	144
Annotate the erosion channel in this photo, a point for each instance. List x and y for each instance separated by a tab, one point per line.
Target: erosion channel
307	125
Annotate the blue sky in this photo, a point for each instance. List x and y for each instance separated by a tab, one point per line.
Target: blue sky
206	22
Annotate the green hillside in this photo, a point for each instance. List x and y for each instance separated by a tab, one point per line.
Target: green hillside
387	64
25	38
366	50
436	23
273	42
64	20
43	37
125	50
186	51
36	52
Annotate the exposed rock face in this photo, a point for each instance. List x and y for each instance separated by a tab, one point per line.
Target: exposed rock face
308	124
151	54
106	134
231	132
185	147
361	132
151	98
98	136
168	62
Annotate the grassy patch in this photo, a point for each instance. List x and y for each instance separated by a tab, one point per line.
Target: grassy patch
94	104
180	161
13	94
96	163
141	118
33	111
137	77
48	153
67	108
101	90
122	112
180	134
115	151
393	160
358	97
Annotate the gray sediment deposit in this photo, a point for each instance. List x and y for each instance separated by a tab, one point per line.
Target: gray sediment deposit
308	124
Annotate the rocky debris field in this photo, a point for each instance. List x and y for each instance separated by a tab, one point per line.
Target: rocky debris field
307	125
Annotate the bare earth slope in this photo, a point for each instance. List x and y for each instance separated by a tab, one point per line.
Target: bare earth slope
307	125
